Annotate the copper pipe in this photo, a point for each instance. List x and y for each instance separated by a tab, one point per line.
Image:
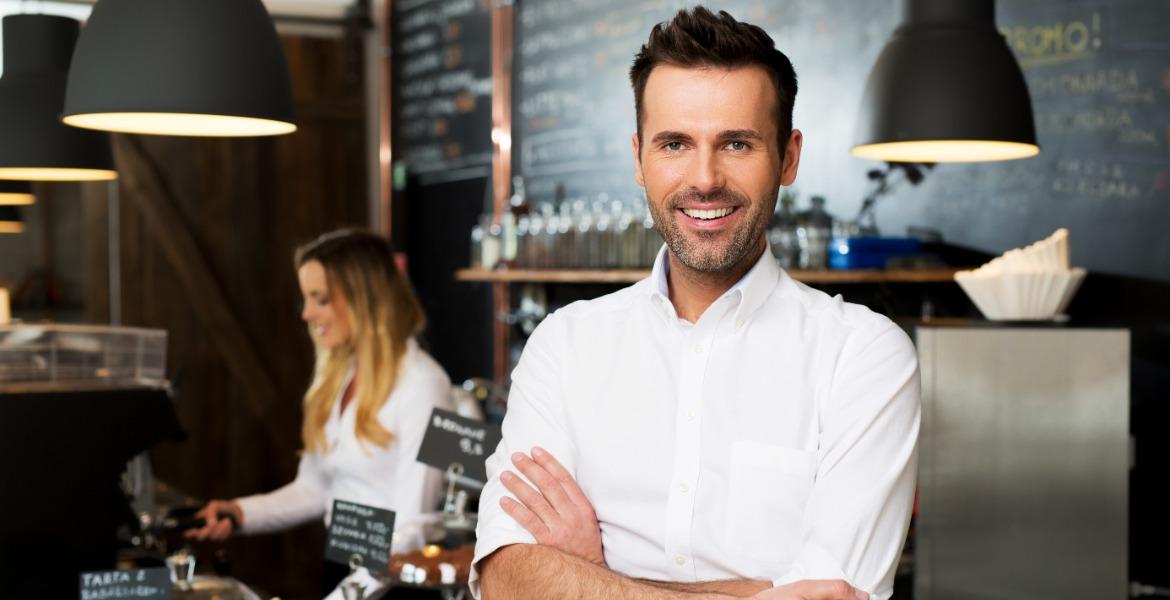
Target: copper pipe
501	168
385	152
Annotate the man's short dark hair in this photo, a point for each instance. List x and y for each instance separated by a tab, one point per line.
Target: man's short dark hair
700	38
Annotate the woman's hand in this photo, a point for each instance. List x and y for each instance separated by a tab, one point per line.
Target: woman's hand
557	513
221	516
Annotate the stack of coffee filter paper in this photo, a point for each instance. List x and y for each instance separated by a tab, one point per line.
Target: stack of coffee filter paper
1025	284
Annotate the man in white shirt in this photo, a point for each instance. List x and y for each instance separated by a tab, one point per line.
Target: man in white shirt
717	430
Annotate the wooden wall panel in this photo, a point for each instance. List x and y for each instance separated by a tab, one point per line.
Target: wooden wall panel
95	213
244	204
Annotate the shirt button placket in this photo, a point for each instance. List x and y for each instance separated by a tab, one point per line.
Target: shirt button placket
687	451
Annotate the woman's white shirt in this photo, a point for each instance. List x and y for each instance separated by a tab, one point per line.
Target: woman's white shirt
364	473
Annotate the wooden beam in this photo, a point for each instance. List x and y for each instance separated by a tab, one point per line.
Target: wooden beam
142	183
95	208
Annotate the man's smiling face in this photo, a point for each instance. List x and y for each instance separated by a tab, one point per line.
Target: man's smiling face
711	163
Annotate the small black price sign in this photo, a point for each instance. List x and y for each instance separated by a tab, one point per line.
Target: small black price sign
451	438
134	584
364	531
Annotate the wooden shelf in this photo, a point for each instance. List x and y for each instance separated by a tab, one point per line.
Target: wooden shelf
632	275
553	275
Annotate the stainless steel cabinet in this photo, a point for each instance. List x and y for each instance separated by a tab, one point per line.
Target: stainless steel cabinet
1025	459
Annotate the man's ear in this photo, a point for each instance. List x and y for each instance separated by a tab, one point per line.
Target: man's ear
637	161
791	158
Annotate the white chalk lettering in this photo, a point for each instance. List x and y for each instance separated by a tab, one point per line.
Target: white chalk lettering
458	428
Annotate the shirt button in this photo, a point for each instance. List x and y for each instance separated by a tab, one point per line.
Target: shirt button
698	348
690	415
684	488
680	560
739	322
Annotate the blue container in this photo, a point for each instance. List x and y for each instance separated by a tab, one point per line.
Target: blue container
869	252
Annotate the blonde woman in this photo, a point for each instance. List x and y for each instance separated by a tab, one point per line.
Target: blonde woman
365	413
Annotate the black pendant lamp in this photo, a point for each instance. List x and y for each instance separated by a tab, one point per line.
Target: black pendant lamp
34	145
14	193
10	220
180	67
946	88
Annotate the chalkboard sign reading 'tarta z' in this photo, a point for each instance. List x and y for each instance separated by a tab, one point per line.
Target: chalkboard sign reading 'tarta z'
451	439
136	584
360	531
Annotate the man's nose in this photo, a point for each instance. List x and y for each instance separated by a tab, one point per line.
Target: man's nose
305	313
706	174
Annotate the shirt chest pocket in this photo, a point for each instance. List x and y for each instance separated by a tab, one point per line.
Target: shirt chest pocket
769	487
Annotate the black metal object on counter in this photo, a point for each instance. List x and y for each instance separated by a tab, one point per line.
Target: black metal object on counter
64	453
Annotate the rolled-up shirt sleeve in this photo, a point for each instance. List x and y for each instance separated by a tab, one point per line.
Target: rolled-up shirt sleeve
304	499
859	510
535	417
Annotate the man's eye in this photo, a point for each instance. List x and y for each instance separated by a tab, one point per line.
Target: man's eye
673	146
738	146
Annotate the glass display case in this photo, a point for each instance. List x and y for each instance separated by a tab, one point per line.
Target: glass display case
63	356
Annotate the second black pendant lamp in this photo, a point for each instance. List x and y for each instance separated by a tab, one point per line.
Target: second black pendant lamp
34	145
946	88
15	193
180	67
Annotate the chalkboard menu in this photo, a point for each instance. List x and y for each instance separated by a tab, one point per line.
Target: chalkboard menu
134	584
443	87
361	534
573	109
452	439
1099	73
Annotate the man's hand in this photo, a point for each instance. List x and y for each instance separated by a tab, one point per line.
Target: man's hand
813	589
558	515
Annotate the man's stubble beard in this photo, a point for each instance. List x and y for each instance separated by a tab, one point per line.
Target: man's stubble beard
744	240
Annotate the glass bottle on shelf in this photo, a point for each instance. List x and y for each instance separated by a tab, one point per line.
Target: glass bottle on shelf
584	241
600	238
507	238
813	233
490	255
626	233
566	230
651	241
782	232
552	226
517	206
534	241
613	240
478	231
520	260
518	203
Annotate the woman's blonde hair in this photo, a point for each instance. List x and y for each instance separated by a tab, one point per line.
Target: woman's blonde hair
383	314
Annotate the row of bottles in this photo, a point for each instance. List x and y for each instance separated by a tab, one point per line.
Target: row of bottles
611	234
576	234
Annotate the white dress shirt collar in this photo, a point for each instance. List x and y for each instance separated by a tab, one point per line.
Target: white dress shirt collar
749	293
